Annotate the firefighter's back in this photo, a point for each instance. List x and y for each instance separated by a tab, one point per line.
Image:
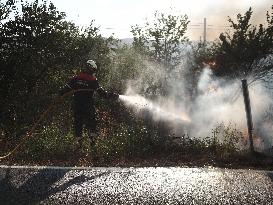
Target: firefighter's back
84	99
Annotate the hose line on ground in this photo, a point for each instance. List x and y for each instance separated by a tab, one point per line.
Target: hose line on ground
28	135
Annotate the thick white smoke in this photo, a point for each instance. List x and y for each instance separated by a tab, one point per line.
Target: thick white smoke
221	101
217	101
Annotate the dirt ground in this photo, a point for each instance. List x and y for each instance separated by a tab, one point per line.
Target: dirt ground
246	161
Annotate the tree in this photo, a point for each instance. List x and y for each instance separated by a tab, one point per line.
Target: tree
5	10
90	44
240	54
39	50
163	38
162	42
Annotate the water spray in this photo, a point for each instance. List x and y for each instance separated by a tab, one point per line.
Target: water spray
158	112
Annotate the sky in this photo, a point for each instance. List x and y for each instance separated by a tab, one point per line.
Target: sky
117	16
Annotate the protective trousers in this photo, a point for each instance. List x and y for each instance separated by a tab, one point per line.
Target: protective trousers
85	119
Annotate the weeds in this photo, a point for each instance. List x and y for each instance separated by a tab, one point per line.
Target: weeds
131	141
49	144
226	140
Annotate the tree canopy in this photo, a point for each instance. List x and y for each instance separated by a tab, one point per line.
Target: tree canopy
162	38
241	50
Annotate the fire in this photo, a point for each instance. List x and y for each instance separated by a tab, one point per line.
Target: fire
257	140
212	88
211	63
245	136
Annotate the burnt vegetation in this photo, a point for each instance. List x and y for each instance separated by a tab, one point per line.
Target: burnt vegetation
40	50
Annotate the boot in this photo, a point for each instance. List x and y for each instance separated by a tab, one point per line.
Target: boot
79	142
92	138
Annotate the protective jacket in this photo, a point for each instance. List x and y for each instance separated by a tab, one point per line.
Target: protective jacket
84	99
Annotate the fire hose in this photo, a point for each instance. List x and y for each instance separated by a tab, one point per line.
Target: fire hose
28	135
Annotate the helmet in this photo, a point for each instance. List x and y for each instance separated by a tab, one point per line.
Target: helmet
92	64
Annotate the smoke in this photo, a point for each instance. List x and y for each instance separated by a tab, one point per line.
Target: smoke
216	101
217	12
214	104
221	101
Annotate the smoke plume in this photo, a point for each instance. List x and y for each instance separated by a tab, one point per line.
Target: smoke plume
216	101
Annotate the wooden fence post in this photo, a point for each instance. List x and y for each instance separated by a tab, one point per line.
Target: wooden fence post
248	113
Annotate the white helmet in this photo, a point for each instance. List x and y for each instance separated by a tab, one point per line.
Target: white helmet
91	63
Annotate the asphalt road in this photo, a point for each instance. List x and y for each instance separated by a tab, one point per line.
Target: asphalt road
54	185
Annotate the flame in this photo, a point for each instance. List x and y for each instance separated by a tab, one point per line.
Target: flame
211	63
257	140
212	88
245	136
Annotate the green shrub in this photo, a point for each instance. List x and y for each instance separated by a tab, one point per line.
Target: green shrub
226	140
50	143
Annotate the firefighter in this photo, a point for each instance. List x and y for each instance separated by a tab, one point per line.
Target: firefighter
83	103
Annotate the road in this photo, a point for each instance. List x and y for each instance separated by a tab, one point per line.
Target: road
55	185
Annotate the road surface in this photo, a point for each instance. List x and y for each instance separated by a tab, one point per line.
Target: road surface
55	185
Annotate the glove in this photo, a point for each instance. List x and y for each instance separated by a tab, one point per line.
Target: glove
113	96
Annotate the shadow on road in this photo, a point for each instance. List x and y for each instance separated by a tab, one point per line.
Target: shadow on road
270	174
38	187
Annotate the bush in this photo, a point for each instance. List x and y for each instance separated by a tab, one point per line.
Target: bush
226	140
49	144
